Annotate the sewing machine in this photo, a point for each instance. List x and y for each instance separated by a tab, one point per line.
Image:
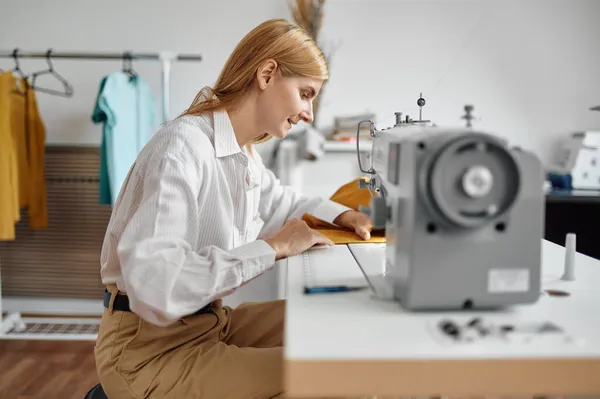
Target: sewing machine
463	214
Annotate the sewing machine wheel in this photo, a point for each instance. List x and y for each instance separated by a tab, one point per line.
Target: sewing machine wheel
471	180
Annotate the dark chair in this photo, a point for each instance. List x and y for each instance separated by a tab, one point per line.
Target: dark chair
96	393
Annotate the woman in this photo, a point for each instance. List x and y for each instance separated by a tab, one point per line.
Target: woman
198	216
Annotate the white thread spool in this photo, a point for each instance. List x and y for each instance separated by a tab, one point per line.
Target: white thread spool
570	249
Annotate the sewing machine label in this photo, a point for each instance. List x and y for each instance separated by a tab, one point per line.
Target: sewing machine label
508	280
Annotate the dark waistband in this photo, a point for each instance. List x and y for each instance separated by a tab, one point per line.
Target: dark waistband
121	303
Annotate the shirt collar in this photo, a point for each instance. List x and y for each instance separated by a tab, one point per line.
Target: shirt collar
225	141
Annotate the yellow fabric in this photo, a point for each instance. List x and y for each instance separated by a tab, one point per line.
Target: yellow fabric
352	196
22	151
18	126
9	190
32	133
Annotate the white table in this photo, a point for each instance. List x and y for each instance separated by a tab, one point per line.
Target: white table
352	344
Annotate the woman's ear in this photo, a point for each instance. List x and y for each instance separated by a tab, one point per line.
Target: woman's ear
265	73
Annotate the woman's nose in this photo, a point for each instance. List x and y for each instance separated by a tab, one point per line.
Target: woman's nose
307	114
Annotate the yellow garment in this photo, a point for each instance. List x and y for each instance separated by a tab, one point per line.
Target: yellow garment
9	189
22	151
352	196
29	135
18	126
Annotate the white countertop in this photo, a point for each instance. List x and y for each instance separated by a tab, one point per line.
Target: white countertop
346	333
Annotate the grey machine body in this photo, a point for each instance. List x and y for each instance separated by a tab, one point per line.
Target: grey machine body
463	214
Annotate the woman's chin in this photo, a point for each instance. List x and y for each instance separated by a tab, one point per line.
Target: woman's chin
281	134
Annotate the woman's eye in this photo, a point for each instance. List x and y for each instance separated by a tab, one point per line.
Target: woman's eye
304	95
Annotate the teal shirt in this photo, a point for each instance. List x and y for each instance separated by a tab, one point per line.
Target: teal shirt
127	109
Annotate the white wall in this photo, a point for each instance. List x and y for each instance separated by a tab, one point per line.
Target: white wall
531	68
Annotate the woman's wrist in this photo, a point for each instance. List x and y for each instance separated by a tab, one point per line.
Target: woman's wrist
277	247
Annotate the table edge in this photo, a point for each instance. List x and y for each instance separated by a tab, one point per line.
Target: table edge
523	376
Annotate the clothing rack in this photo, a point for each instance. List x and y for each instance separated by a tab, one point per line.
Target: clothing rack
12	325
166	58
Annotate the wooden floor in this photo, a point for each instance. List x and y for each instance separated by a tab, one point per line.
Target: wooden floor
46	369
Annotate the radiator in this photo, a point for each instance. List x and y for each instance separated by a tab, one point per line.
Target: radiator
63	260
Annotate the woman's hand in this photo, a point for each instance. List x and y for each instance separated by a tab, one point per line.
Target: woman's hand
295	237
356	221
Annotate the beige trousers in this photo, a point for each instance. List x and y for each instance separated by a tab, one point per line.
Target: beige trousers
226	353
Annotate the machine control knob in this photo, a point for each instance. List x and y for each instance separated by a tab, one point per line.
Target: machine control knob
478	181
468	116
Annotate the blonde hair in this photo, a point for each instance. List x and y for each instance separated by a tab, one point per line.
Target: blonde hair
287	44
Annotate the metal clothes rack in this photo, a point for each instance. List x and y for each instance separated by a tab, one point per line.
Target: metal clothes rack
166	58
13	326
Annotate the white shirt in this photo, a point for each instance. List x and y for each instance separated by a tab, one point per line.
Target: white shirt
186	227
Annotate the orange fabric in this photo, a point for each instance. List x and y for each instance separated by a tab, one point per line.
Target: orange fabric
352	196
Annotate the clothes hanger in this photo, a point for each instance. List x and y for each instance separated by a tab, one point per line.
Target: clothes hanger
68	89
18	69
128	65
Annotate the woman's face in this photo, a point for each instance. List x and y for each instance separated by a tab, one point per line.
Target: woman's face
284	101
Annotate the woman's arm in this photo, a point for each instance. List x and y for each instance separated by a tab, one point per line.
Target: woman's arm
165	278
279	204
